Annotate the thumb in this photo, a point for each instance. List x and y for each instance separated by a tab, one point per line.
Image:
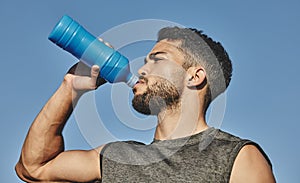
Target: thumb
94	73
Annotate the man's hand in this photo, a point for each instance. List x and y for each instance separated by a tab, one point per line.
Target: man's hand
83	78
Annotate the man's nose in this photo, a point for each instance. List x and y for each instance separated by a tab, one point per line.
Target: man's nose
143	71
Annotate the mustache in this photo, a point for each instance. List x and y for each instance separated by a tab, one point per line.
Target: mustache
143	79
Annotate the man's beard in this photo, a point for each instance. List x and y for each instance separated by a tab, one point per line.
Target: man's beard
161	95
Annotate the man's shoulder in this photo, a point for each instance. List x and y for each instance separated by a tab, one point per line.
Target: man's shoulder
239	143
223	144
223	135
223	138
126	142
119	146
218	139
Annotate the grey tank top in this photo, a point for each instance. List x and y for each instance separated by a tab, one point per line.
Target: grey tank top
204	157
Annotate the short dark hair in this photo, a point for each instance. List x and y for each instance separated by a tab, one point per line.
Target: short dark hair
202	50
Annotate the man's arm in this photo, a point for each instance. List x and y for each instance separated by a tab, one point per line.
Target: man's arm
251	166
43	157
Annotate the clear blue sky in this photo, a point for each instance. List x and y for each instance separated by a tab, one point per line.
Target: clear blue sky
262	38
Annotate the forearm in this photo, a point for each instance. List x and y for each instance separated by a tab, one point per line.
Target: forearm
43	156
44	140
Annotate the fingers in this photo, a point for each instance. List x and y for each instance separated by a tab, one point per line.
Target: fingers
86	81
106	43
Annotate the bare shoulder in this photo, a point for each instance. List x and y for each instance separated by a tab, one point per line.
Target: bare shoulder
251	165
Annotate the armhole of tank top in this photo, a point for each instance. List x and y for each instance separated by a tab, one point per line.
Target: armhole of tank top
101	158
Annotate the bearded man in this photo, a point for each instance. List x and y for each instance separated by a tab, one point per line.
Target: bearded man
183	73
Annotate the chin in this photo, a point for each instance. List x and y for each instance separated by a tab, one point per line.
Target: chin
138	103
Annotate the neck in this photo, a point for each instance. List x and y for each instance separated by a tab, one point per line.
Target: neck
185	119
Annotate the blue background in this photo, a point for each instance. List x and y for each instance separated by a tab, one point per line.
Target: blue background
261	37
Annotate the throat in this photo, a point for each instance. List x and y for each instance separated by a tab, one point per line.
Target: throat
173	124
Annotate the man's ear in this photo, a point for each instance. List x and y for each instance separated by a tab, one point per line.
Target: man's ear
196	76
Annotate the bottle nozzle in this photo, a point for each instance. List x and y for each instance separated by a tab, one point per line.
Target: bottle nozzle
132	81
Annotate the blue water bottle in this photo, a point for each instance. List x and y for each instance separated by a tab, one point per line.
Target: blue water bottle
72	37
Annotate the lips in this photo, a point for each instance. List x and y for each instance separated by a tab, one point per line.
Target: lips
136	85
141	81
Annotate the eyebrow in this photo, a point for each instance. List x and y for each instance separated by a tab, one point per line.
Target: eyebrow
153	55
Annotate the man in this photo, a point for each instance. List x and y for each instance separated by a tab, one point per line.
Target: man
182	74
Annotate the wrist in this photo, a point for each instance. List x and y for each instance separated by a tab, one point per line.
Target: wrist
67	84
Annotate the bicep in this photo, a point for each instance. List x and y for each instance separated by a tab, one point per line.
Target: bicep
77	166
251	165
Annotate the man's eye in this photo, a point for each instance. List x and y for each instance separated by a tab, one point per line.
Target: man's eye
157	59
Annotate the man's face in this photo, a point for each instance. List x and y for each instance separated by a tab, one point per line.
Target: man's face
162	79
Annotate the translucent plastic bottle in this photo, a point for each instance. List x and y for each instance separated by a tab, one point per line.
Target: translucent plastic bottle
72	37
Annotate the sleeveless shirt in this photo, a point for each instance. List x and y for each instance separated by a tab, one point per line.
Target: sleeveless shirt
204	157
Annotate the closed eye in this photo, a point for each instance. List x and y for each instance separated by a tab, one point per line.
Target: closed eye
155	56
157	59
